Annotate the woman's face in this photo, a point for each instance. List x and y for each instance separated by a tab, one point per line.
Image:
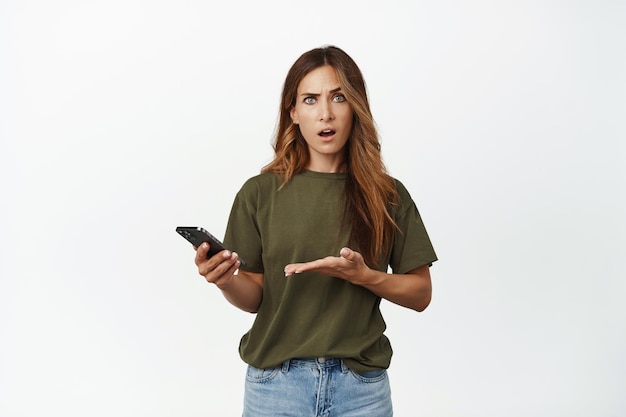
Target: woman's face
324	117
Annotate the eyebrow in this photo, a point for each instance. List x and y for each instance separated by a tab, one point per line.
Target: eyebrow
335	90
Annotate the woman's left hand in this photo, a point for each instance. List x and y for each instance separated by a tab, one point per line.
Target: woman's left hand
412	289
349	265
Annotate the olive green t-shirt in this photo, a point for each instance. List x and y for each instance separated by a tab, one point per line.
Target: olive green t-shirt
311	315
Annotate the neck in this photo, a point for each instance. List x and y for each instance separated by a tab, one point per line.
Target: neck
328	168
330	164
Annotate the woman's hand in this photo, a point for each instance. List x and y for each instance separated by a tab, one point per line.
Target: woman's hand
243	289
349	265
218	269
412	290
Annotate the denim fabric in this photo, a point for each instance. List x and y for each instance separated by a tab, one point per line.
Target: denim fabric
316	388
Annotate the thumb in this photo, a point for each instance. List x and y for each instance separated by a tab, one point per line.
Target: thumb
346	253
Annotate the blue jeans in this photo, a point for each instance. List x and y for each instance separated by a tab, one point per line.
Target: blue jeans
316	388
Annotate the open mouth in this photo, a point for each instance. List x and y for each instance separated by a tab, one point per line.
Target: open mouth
326	132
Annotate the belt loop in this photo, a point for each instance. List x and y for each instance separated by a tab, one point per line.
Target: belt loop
344	367
286	366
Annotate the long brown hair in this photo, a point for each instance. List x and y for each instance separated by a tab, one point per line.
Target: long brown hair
370	191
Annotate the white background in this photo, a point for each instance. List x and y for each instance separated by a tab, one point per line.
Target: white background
120	120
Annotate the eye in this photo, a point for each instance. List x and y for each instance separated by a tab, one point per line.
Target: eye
309	100
339	98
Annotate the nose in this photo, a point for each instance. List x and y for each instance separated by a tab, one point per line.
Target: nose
326	112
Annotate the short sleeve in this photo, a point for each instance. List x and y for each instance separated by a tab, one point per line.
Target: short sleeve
242	231
411	247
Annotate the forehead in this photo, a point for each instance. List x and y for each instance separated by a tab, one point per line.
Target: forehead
319	79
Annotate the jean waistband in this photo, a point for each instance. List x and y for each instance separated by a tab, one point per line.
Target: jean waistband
321	362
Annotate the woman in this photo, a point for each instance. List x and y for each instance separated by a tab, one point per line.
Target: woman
318	228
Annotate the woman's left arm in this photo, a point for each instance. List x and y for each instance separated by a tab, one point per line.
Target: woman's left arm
412	290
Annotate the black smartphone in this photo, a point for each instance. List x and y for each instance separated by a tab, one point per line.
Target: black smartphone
197	235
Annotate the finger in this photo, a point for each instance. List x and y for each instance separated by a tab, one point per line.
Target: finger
201	252
301	267
221	277
292	269
205	265
227	276
314	266
223	264
350	255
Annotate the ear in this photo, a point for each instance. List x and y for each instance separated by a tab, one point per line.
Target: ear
294	116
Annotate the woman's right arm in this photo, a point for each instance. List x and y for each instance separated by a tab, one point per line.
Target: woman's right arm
244	290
